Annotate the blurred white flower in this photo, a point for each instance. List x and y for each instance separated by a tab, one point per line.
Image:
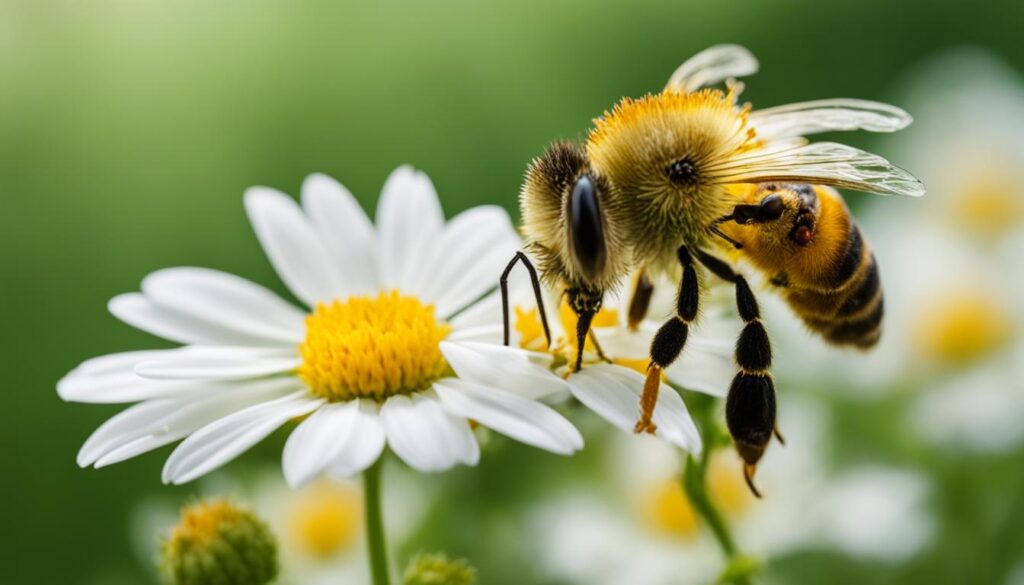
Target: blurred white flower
366	362
644	531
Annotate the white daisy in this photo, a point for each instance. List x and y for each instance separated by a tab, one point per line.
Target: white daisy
871	513
368	363
611	390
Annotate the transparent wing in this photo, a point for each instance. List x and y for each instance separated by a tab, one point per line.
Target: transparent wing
822	163
817	116
710	66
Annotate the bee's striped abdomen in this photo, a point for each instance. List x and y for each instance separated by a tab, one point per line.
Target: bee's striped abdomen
848	307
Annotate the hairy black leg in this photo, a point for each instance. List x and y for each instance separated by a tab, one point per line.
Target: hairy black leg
520	257
640	301
668	342
597	347
750	406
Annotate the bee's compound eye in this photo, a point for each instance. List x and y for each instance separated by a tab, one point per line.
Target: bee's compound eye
802	235
586	230
772	207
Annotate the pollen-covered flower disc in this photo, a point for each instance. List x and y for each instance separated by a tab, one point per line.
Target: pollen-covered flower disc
365	363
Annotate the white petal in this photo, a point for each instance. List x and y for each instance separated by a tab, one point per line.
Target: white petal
613	392
703	368
227	301
471	254
711	66
524	420
155	423
345	230
143	313
363	445
120	386
299	256
347	434
188	367
410	221
224	439
507	368
425	436
112	379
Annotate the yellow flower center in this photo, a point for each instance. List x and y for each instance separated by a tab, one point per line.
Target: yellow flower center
325	518
531	332
367	347
203	521
989	207
530	329
960	328
669	511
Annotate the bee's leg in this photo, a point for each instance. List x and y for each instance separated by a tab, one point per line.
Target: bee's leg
668	342
597	347
640	301
520	257
750	404
585	303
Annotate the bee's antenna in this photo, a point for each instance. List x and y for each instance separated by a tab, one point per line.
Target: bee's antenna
520	257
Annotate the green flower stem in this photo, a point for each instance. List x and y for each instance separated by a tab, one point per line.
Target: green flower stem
694	482
377	544
694	485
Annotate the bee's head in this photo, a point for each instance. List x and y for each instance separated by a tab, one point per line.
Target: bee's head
571	223
787	214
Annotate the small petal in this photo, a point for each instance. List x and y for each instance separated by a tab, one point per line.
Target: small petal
426	437
299	256
511	369
214	367
227	301
345	230
143	313
155	423
524	420
345	433
409	223
364	444
471	254
223	440
613	392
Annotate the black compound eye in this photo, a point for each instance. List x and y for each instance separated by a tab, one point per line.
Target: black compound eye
772	207
586	229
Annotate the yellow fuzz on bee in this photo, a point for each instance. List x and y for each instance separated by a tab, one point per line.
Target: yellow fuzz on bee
668	510
219	542
372	347
325	518
961	328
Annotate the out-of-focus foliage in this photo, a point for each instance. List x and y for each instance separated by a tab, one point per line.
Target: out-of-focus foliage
128	131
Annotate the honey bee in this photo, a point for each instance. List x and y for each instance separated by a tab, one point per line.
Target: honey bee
678	180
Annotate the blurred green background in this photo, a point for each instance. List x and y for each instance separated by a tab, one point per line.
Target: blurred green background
128	131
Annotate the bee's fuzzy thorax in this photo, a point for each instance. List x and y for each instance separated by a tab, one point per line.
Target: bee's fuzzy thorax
663	150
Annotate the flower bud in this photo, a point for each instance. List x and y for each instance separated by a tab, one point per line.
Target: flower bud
437	569
219	542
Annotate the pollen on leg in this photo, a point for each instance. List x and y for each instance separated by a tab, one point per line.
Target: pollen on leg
372	347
